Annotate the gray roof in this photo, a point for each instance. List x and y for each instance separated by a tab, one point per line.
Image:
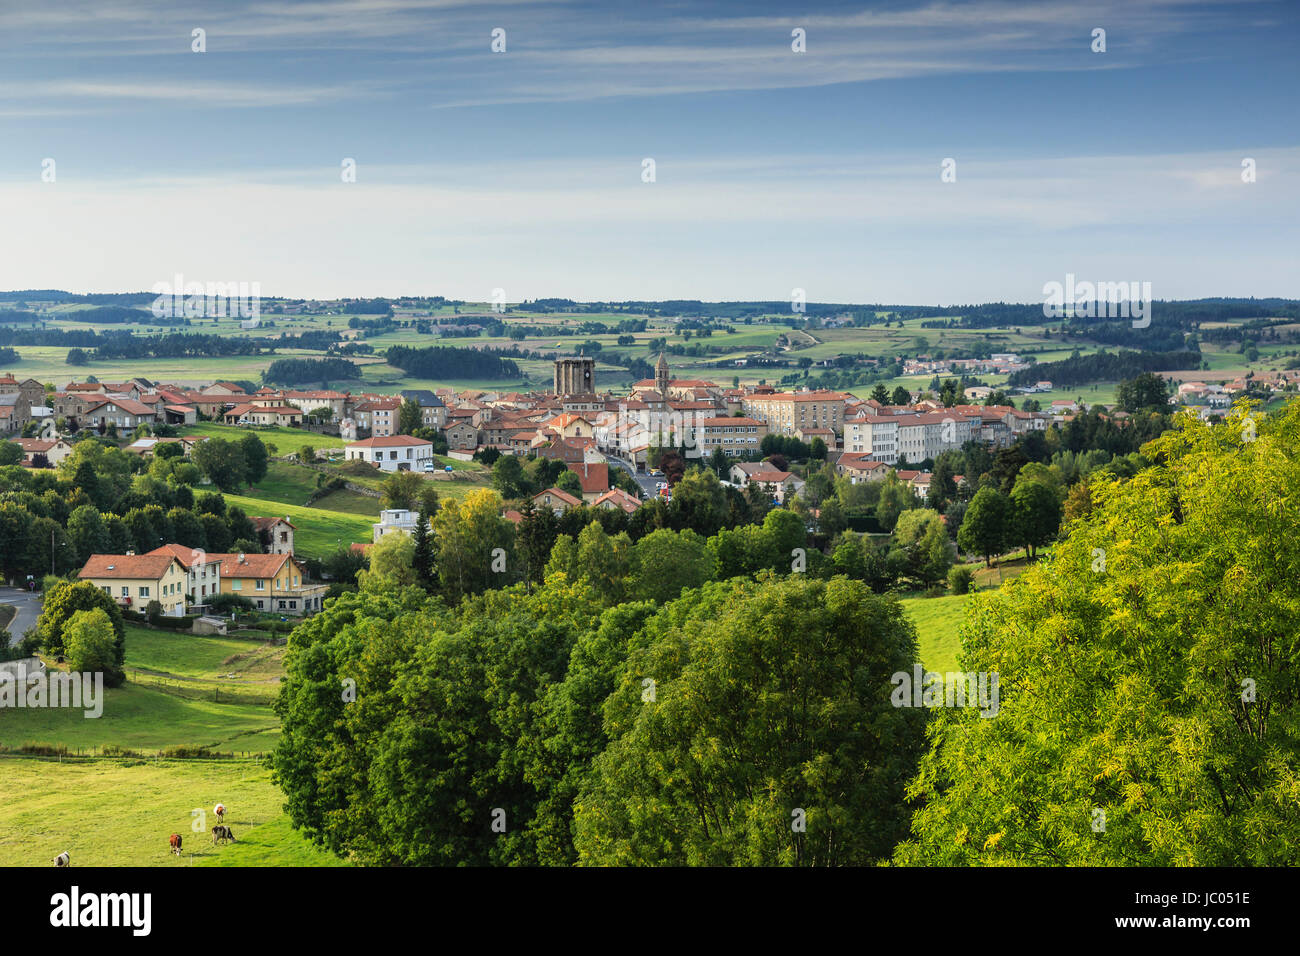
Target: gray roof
424	397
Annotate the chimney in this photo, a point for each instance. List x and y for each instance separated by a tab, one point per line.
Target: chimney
130	554
241	557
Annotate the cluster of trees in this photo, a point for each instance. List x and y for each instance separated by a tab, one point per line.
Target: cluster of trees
443	362
657	702
517	729
1148	697
102	500
82	624
300	371
179	345
1103	366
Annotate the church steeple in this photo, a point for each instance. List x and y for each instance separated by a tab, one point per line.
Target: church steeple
661	376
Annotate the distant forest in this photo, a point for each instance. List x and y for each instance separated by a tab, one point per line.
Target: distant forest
442	362
298	371
1103	367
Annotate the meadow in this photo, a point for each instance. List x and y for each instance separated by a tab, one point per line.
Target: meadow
937	620
120	812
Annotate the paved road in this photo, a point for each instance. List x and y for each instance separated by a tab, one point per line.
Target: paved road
644	481
28	604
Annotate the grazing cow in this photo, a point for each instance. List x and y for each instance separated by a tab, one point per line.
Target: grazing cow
62	859
175	841
220	811
222	833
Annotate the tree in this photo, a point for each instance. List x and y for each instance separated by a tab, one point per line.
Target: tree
748	770
1036	514
988	523
1147	677
895	498
409	417
392	564
508	478
306	454
11	453
720	463
87	532
222	462
89	643
699	502
571	483
664	562
467	536
880	394
422	552
65	600
901	396
1145	391
400	490
256	459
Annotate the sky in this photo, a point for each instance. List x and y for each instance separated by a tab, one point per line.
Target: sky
127	158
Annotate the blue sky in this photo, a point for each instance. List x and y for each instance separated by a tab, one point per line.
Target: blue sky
774	170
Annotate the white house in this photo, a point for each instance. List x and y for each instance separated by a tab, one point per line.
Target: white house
396	520
393	452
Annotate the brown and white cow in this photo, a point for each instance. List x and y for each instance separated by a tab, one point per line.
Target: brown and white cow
62	859
175	841
222	833
220	811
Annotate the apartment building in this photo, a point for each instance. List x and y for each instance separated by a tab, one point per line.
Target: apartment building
202	571
787	412
735	436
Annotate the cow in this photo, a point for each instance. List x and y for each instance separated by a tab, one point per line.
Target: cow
222	833
220	811
175	841
62	859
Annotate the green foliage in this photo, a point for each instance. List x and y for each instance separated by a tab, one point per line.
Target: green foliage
986	528
960	578
89	642
1147	673
768	715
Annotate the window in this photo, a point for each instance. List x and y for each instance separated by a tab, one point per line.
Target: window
236	585
126	591
261	584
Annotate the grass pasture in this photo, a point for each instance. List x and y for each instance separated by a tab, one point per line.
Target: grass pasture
119	812
937	621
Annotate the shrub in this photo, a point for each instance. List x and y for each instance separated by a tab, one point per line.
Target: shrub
225	603
960	578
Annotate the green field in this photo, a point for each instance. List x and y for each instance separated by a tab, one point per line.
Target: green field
120	812
318	531
287	441
936	621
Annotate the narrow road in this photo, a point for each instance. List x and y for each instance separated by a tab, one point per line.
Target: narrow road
28	608
643	480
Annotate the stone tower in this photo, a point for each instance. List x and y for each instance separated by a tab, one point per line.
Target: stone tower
661	376
575	376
